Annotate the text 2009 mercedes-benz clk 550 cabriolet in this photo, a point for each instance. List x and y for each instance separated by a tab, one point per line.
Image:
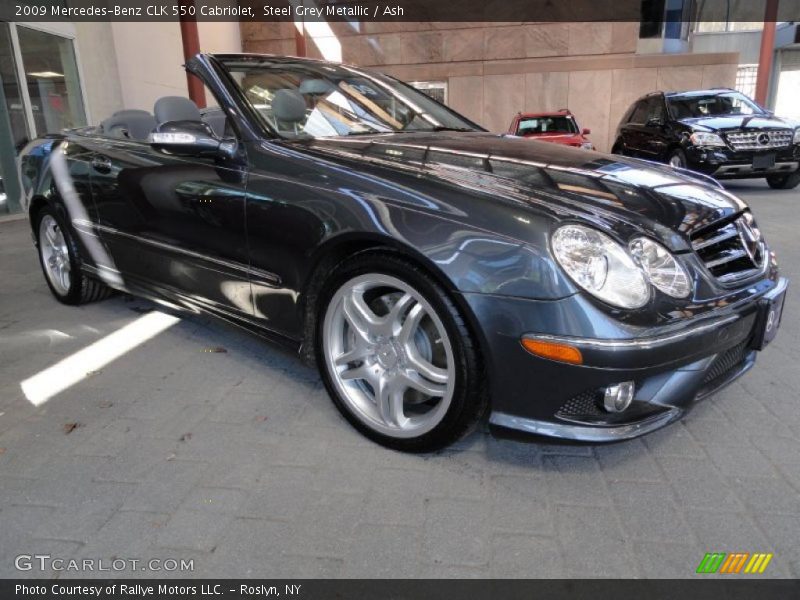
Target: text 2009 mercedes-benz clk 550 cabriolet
434	271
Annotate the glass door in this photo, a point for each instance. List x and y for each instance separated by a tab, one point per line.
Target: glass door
13	124
41	93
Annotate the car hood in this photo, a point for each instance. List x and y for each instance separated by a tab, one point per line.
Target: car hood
565	182
738	123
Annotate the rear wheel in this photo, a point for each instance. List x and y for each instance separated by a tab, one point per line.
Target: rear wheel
784	182
60	261
677	159
396	356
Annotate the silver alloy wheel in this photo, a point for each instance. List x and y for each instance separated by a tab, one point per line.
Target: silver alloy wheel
389	355
675	161
55	255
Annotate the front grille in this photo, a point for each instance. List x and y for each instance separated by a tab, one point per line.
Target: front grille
726	362
760	140
734	251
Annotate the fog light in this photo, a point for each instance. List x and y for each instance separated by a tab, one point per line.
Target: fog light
619	396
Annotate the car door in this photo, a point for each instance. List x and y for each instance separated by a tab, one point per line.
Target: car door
631	131
655	130
174	225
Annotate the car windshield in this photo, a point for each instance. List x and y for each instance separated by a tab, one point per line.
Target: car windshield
712	105
305	99
552	124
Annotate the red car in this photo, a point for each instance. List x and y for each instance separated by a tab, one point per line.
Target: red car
559	127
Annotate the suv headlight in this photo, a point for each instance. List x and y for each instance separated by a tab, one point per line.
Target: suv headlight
699	138
796	139
601	266
661	268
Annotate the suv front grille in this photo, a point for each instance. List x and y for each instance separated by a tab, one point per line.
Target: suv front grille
732	252
760	140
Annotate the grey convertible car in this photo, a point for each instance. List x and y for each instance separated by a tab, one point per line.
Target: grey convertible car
436	273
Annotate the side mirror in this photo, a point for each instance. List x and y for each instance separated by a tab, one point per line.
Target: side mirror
188	138
586	131
655	123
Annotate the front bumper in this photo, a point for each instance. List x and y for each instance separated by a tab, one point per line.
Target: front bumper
673	369
724	163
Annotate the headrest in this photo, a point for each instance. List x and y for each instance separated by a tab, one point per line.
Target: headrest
316	87
129	111
288	106
175	108
140	125
134	125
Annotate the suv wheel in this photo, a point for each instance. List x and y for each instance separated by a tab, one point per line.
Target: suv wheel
677	159
396	355
784	182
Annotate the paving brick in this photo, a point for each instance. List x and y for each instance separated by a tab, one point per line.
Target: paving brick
384	551
522	556
192	530
273	482
456	533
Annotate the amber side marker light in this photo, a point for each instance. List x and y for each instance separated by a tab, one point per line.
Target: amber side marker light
554	351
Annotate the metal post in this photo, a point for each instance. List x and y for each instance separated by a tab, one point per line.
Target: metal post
191	46
767	52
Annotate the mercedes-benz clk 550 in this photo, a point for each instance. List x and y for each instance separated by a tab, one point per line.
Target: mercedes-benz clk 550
436	273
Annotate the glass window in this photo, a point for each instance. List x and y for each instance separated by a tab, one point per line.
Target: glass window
655	109
553	124
639	115
52	79
709	105
13	131
305	99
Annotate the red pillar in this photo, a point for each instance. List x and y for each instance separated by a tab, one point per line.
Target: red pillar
300	39
191	46
767	51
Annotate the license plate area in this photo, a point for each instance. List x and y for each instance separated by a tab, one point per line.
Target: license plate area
764	161
770	311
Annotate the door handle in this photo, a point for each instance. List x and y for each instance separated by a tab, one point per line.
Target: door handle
101	164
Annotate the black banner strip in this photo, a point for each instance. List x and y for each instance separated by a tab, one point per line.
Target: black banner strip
380	589
360	11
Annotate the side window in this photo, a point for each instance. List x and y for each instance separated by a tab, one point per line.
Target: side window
655	109
639	116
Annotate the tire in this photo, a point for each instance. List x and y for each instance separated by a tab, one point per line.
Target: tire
677	159
413	351
60	260
784	182
617	148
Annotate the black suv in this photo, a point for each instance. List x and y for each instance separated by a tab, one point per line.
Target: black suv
719	132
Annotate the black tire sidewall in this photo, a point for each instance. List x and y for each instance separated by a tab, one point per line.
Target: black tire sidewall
681	155
73	295
784	182
464	406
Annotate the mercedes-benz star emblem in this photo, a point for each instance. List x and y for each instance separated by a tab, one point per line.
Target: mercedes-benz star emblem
763	139
750	239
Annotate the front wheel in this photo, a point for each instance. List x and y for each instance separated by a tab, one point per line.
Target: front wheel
396	355
784	182
60	261
677	159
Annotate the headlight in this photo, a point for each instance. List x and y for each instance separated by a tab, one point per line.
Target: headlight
661	268
796	139
601	266
588	145
698	138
